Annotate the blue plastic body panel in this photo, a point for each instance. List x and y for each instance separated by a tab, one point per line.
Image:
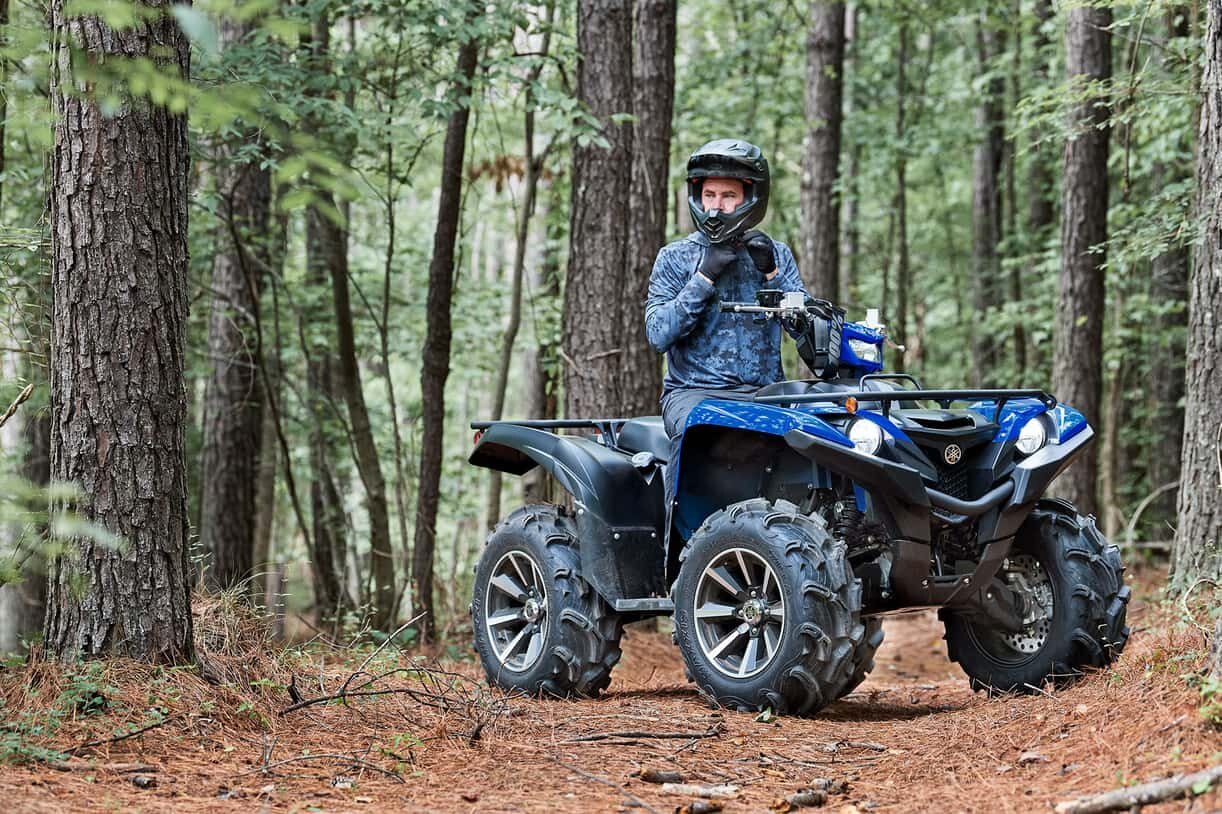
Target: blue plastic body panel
768	419
1067	421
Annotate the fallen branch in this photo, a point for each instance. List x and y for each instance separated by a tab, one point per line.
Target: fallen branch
1134	797
74	750
724	791
712	732
351	760
636	801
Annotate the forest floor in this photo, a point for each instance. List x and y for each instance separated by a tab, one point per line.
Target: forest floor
914	737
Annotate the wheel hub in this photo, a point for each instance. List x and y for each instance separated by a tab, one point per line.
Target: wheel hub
739	611
515	607
1031	582
532	610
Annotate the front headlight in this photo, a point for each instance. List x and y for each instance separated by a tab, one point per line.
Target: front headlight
867	437
1032	437
865	351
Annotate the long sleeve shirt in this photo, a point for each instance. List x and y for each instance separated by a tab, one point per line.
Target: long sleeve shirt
705	347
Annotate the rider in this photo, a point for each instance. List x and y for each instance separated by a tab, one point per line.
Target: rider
710	354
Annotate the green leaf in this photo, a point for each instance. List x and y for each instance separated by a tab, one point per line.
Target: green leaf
1201	786
196	25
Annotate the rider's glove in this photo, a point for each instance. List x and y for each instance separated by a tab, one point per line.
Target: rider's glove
717	258
759	246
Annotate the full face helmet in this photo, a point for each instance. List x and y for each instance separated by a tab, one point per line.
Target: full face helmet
728	158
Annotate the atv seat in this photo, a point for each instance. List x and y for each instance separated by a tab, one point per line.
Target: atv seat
646	434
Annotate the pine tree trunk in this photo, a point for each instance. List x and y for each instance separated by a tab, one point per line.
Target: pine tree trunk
1198	549
382	564
437	349
902	276
233	415
986	202
653	96
851	248
1078	357
598	241
3	98
118	402
819	235
545	364
1041	187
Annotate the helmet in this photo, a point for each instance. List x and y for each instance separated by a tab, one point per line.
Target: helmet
728	158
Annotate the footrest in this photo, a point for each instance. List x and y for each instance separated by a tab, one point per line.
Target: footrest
651	605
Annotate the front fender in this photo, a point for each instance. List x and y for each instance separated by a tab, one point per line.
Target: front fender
620	513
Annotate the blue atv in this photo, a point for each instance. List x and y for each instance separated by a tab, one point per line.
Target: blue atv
797	521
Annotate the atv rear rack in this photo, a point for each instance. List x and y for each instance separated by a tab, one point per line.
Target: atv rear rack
943	397
608	427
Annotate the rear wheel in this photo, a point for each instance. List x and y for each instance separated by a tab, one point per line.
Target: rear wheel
767	611
1071	583
539	626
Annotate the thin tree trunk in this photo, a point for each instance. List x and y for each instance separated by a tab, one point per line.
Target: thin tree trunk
1011	227
851	249
530	183
1041	186
3	98
986	201
1169	295
436	366
118	402
593	344
819	235
233	414
1078	360
653	97
1198	549
902	281
544	381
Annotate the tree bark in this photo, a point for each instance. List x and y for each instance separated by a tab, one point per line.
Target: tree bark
3	97
598	256
1198	549
329	554
544	402
233	416
1041	187
986	201
437	347
653	97
819	235
118	402
1078	358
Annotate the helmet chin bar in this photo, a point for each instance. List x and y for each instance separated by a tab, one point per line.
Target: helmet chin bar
722	227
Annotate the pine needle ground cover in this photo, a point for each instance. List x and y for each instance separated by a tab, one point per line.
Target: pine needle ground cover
323	727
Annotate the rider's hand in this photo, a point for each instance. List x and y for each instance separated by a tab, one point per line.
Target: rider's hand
717	258
759	246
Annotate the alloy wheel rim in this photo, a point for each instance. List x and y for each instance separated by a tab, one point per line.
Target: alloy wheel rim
516	617
739	612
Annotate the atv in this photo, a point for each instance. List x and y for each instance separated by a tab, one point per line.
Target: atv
796	522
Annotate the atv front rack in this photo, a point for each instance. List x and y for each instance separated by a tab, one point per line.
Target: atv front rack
943	397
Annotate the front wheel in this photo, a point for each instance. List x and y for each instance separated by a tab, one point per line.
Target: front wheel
540	628
1071	585
767	610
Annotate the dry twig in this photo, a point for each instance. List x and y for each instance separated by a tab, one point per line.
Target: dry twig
1135	797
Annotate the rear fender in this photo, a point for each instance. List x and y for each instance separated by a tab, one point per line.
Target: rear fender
619	508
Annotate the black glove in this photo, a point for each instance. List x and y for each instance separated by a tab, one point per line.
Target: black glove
717	258
759	246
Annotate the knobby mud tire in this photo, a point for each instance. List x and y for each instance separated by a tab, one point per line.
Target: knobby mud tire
863	655
1090	600
583	638
814	663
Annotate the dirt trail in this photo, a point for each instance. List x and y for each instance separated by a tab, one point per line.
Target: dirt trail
912	738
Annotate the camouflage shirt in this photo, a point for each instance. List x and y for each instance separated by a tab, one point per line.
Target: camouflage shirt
704	347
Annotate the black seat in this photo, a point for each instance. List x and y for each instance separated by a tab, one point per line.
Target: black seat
646	434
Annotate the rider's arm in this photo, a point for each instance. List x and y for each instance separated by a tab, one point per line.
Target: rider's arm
677	298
